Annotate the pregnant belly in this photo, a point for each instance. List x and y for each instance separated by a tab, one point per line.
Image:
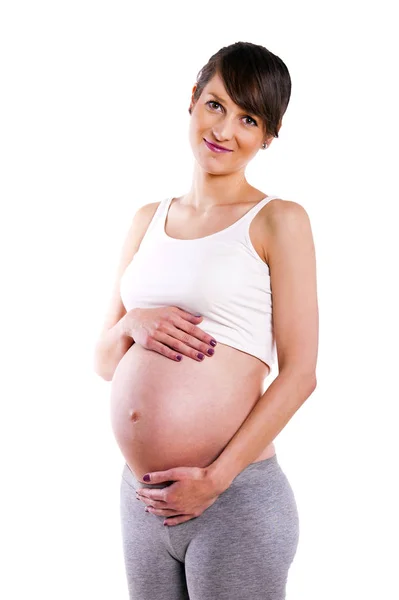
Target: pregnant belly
167	414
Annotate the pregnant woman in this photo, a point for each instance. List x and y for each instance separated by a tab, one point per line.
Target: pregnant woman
207	512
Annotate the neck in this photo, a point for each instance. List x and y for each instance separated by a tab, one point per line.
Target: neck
209	190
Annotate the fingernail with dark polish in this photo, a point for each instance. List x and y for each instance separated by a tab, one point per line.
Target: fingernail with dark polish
210	351
179	357
200	355
213	342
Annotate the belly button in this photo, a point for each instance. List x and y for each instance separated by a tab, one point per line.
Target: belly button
134	415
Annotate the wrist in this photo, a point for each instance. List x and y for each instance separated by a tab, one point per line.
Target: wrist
219	481
124	325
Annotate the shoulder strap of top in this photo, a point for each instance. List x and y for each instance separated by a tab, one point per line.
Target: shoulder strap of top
244	222
158	218
255	209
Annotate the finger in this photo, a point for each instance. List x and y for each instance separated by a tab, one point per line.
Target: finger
156	504
193	331
182	343
162	512
152	502
154	494
171	521
187	315
155	346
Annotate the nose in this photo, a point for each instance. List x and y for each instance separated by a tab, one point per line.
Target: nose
223	130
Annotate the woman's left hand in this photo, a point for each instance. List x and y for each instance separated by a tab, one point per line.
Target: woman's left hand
192	492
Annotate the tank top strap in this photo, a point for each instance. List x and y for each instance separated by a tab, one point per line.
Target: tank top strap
245	221
250	215
157	222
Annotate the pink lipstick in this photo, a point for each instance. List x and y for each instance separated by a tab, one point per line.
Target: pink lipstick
215	147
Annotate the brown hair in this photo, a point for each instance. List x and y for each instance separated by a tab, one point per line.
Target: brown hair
255	79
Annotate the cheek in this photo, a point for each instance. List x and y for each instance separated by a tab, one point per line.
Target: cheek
194	139
195	129
251	145
201	120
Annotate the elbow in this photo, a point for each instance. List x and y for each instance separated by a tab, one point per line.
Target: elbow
312	383
307	380
104	375
100	368
305	384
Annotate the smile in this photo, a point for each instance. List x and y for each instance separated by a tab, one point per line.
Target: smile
214	148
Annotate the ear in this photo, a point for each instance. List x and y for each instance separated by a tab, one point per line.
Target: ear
192	98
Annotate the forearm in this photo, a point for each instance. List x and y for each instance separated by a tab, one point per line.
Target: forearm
111	348
271	413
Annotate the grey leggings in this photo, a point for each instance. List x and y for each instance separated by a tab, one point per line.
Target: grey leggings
242	546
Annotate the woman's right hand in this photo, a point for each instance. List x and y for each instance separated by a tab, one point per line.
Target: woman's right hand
167	329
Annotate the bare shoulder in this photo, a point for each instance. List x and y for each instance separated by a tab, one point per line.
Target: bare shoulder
151	207
136	232
292	262
279	209
283	221
131	243
147	211
140	223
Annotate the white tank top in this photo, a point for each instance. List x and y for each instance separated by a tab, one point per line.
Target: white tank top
220	276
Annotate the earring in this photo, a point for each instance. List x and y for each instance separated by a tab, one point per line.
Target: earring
264	146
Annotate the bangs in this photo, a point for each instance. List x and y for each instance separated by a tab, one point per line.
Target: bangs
255	79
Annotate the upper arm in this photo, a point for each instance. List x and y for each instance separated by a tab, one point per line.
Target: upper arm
292	263
137	229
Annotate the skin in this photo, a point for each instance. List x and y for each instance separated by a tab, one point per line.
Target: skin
217	118
220	176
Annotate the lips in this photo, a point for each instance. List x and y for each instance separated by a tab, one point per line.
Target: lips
216	147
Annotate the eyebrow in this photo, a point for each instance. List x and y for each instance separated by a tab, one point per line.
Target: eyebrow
225	101
217	97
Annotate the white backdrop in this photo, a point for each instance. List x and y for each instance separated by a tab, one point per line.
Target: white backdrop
94	124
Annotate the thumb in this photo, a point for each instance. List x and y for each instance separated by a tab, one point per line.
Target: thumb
161	476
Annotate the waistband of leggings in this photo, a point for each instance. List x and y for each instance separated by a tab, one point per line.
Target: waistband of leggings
252	470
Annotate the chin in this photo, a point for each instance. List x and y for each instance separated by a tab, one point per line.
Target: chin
209	161
210	167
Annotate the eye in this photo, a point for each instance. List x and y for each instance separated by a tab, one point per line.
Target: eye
254	123
253	120
213	102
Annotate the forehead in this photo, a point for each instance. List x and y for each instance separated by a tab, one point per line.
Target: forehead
216	85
